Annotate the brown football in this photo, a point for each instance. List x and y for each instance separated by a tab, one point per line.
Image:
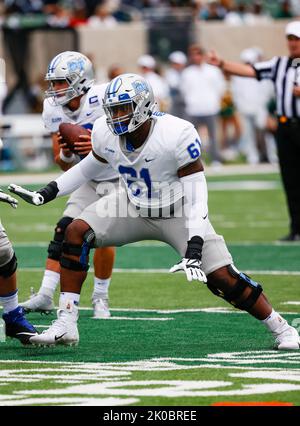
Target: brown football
70	134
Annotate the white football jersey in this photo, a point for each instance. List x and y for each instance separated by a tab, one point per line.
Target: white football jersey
150	176
90	110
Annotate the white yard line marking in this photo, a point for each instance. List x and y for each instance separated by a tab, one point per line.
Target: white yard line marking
106	370
75	401
137	319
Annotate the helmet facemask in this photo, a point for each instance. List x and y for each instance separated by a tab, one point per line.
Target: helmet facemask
127	123
137	109
61	96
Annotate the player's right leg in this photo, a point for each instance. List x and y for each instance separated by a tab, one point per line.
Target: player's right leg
90	229
43	300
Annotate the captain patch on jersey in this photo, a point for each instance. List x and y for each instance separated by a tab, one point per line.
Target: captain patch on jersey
90	109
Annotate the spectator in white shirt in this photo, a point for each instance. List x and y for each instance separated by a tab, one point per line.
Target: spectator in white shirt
103	17
202	89
147	66
251	98
177	61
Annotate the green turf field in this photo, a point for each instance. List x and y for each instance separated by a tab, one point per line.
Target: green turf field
169	342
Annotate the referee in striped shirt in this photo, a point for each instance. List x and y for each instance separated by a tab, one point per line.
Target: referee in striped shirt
284	71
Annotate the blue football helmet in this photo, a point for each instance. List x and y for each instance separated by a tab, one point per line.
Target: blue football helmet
76	70
133	96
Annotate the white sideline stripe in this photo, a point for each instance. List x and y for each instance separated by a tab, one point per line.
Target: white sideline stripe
228	170
290	303
253	271
44	244
211	310
246	185
158	271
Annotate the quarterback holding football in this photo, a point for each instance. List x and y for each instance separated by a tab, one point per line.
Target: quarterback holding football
72	105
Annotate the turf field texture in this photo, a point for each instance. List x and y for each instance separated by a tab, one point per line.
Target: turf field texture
169	342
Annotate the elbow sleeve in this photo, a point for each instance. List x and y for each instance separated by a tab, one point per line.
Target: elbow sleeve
196	204
84	171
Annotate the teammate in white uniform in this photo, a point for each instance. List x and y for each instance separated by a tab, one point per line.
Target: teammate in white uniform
16	325
158	156
74	98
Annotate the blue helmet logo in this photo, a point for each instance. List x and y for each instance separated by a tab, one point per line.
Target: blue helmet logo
75	66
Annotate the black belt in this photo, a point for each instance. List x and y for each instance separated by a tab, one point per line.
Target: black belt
160	212
282	119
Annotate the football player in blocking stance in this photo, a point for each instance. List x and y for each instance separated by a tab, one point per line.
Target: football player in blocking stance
74	98
16	325
153	152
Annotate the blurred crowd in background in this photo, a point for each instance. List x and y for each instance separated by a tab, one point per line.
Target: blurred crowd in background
235	116
107	13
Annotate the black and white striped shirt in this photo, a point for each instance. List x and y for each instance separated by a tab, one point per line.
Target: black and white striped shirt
285	73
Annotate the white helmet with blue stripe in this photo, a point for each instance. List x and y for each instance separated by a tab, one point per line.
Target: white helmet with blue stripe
76	70
134	96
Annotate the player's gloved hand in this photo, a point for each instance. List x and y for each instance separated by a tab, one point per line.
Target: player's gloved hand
191	263
8	199
31	197
192	268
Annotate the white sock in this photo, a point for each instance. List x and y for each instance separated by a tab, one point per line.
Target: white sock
275	323
68	303
49	283
9	302
101	288
66	297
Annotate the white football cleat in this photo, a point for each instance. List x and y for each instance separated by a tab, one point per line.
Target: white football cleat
288	340
63	331
101	309
38	303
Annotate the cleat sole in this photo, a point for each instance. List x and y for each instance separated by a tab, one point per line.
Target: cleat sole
41	311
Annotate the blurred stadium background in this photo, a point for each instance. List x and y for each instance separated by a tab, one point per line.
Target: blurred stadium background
114	32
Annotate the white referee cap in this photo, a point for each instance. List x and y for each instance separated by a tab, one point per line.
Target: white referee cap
178	57
293	28
250	55
146	61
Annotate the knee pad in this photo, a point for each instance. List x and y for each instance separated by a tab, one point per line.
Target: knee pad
235	293
6	250
55	246
78	250
61	227
9	268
